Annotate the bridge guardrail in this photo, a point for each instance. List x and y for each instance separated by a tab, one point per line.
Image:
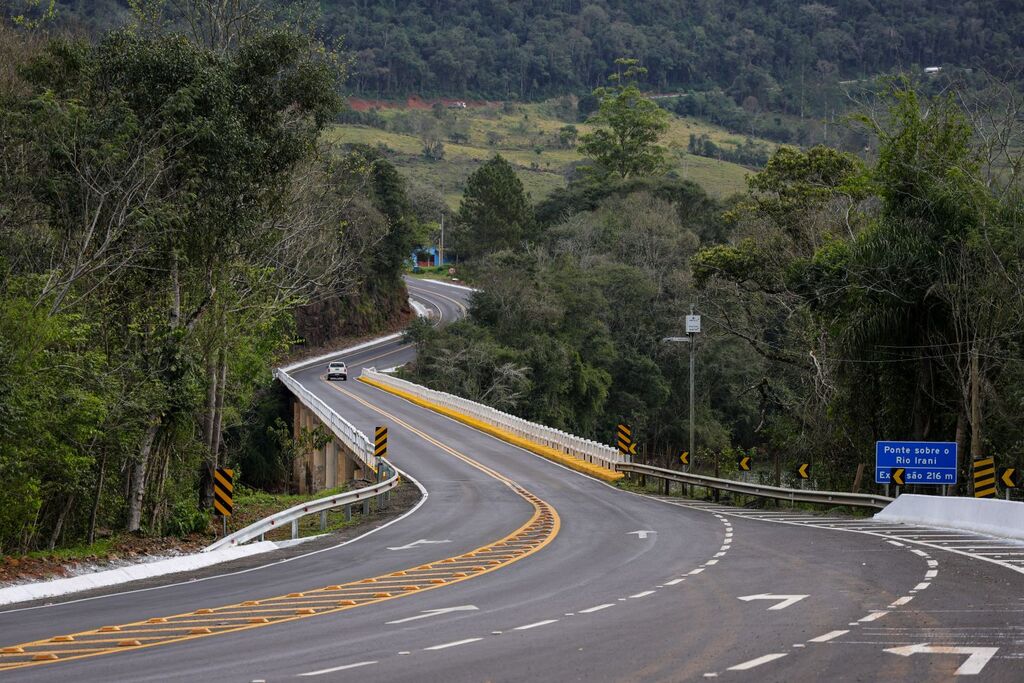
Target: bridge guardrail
590	451
863	500
388	480
351	437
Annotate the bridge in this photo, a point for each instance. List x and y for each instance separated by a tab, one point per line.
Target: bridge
515	566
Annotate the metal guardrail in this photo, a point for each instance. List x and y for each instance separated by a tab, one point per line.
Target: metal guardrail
590	451
293	514
352	438
863	500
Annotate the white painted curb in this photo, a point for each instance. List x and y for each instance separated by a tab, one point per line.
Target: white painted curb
1002	518
110	577
420	309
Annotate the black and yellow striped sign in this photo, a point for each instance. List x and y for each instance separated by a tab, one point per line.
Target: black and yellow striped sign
985	478
380	442
223	488
625	438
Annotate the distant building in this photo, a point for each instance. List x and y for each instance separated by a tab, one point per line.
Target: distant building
427	257
932	70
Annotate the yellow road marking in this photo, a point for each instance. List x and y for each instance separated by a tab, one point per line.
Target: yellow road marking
536	533
544	451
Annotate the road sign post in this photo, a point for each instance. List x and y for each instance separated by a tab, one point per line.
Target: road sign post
915	462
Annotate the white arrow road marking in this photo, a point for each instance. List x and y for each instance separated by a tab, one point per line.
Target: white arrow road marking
435	613
422	541
977	660
784	600
642	533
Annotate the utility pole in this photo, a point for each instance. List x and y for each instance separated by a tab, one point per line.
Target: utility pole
440	255
692	330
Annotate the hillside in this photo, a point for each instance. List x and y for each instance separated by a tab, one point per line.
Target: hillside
780	55
530	136
737	60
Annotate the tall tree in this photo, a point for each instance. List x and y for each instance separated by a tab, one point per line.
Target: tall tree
495	212
628	126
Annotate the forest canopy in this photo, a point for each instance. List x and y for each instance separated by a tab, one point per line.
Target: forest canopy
778	55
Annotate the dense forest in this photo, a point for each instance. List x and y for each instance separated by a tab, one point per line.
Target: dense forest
170	225
843	301
784	55
781	55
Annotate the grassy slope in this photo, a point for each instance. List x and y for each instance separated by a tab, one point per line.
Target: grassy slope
531	126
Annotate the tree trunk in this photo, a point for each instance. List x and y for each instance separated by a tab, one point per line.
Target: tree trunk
976	451
858	478
921	411
209	461
211	401
96	498
159	503
218	424
59	526
137	484
961	448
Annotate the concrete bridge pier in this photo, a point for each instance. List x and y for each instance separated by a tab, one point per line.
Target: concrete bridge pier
320	468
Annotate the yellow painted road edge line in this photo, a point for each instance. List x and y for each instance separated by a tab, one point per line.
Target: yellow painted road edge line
577	464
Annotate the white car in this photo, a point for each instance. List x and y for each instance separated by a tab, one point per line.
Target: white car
337	370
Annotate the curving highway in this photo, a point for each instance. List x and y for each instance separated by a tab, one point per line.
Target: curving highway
514	568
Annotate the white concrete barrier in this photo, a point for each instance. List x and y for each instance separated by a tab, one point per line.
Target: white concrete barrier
984	515
584	449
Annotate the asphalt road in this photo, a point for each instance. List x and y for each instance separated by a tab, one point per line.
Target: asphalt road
627	587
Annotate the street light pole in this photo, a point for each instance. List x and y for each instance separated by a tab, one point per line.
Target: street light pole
692	329
693	343
441	255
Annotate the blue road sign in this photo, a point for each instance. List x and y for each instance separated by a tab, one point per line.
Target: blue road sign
925	462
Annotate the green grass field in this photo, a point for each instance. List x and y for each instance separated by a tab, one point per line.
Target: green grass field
527	136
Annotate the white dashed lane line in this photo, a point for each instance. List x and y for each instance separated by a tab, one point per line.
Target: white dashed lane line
764	659
831	635
338	668
445	646
527	627
874	616
591	610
